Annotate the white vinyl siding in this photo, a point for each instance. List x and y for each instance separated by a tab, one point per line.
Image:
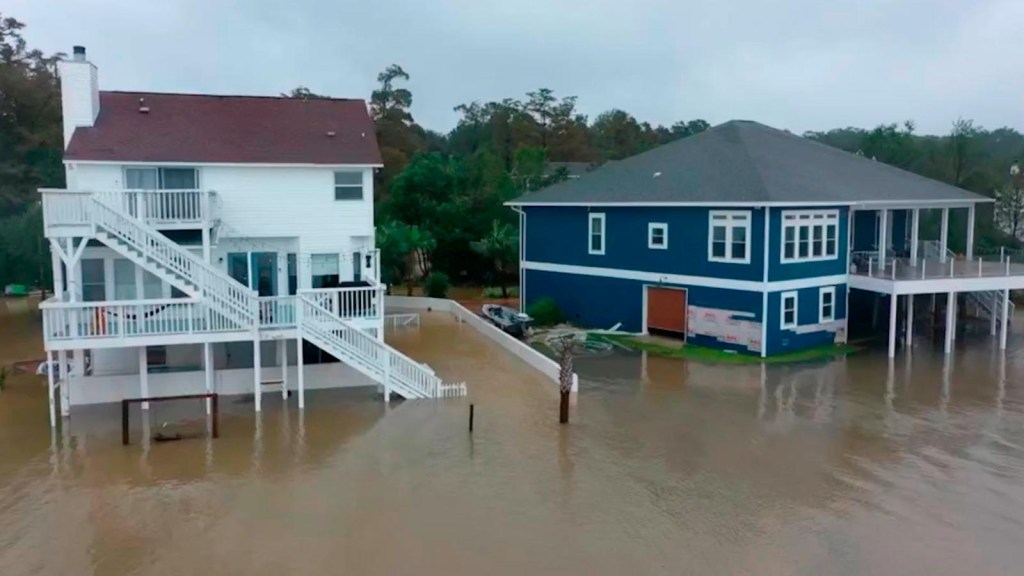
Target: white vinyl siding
827	304
789	318
657	236
729	236
810	235
595	233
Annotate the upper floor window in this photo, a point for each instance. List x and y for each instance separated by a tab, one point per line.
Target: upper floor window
657	236
595	236
810	235
827	303
348	185
161	179
789	317
729	236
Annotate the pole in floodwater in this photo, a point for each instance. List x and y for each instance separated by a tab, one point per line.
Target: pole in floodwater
566	347
471	410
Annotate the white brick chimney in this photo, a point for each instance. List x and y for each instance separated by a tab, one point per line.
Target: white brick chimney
79	92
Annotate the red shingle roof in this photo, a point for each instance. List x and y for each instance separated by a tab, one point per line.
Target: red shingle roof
229	129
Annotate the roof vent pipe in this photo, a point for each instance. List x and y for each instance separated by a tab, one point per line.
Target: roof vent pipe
78	53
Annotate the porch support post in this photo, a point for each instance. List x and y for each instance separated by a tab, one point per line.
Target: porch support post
208	371
970	232
1006	319
50	386
144	375
950	321
257	366
909	339
893	299
992	318
62	363
282	350
58	270
915	224
944	235
301	372
883	241
206	244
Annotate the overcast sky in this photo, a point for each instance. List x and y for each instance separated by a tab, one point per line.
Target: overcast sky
796	64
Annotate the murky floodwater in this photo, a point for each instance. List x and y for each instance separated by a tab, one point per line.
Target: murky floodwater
852	467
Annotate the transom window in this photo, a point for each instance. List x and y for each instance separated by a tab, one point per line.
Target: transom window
657	236
348	185
827	302
789	317
810	235
596	233
729	237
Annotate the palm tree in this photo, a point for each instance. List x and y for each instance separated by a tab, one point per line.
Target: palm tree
501	247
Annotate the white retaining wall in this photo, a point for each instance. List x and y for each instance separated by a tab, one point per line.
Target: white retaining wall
523	351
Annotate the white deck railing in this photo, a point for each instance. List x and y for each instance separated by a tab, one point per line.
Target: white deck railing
66	208
278	312
355	302
135	318
163	208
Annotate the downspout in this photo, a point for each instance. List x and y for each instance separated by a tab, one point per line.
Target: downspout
764	286
522	254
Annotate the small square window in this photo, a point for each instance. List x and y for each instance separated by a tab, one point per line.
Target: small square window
657	236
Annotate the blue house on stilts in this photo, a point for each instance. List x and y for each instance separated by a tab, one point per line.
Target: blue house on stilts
751	239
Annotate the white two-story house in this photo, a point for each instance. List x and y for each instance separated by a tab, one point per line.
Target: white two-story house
215	244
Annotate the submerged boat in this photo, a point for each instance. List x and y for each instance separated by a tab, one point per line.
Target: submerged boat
511	321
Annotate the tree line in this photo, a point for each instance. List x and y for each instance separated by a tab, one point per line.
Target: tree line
440	197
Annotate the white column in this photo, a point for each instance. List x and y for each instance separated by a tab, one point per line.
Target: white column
993	310
915	225
208	371
1006	319
282	351
956	313
893	299
944	235
144	376
65	394
257	367
970	233
910	321
301	373
950	321
58	272
883	241
207	256
50	386
387	377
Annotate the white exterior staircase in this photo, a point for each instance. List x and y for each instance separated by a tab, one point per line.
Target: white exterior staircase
988	302
217	302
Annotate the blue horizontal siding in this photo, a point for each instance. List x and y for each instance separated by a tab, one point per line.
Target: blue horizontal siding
559	235
598	302
808	311
796	270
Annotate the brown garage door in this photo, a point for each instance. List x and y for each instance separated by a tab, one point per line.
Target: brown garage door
666	309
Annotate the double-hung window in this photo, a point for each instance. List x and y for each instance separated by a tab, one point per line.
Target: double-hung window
161	178
657	236
810	235
827	304
595	236
348	185
789	317
729	236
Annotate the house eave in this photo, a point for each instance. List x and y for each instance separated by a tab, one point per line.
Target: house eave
68	162
864	205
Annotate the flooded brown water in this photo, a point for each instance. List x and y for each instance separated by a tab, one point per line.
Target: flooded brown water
850	467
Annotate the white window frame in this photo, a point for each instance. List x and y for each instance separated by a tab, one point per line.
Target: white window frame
810	221
349	187
733	220
160	175
591	218
796	310
651	228
831	291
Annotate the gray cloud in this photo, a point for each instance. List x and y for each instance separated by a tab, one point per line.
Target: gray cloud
799	64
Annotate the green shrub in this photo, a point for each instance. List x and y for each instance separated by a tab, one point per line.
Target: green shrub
545	312
437	285
495	292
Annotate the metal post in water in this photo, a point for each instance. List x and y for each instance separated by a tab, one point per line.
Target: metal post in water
472	409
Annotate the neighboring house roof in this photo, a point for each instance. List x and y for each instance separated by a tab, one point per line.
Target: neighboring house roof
750	163
226	129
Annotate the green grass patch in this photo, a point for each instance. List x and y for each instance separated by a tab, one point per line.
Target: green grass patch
704	354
